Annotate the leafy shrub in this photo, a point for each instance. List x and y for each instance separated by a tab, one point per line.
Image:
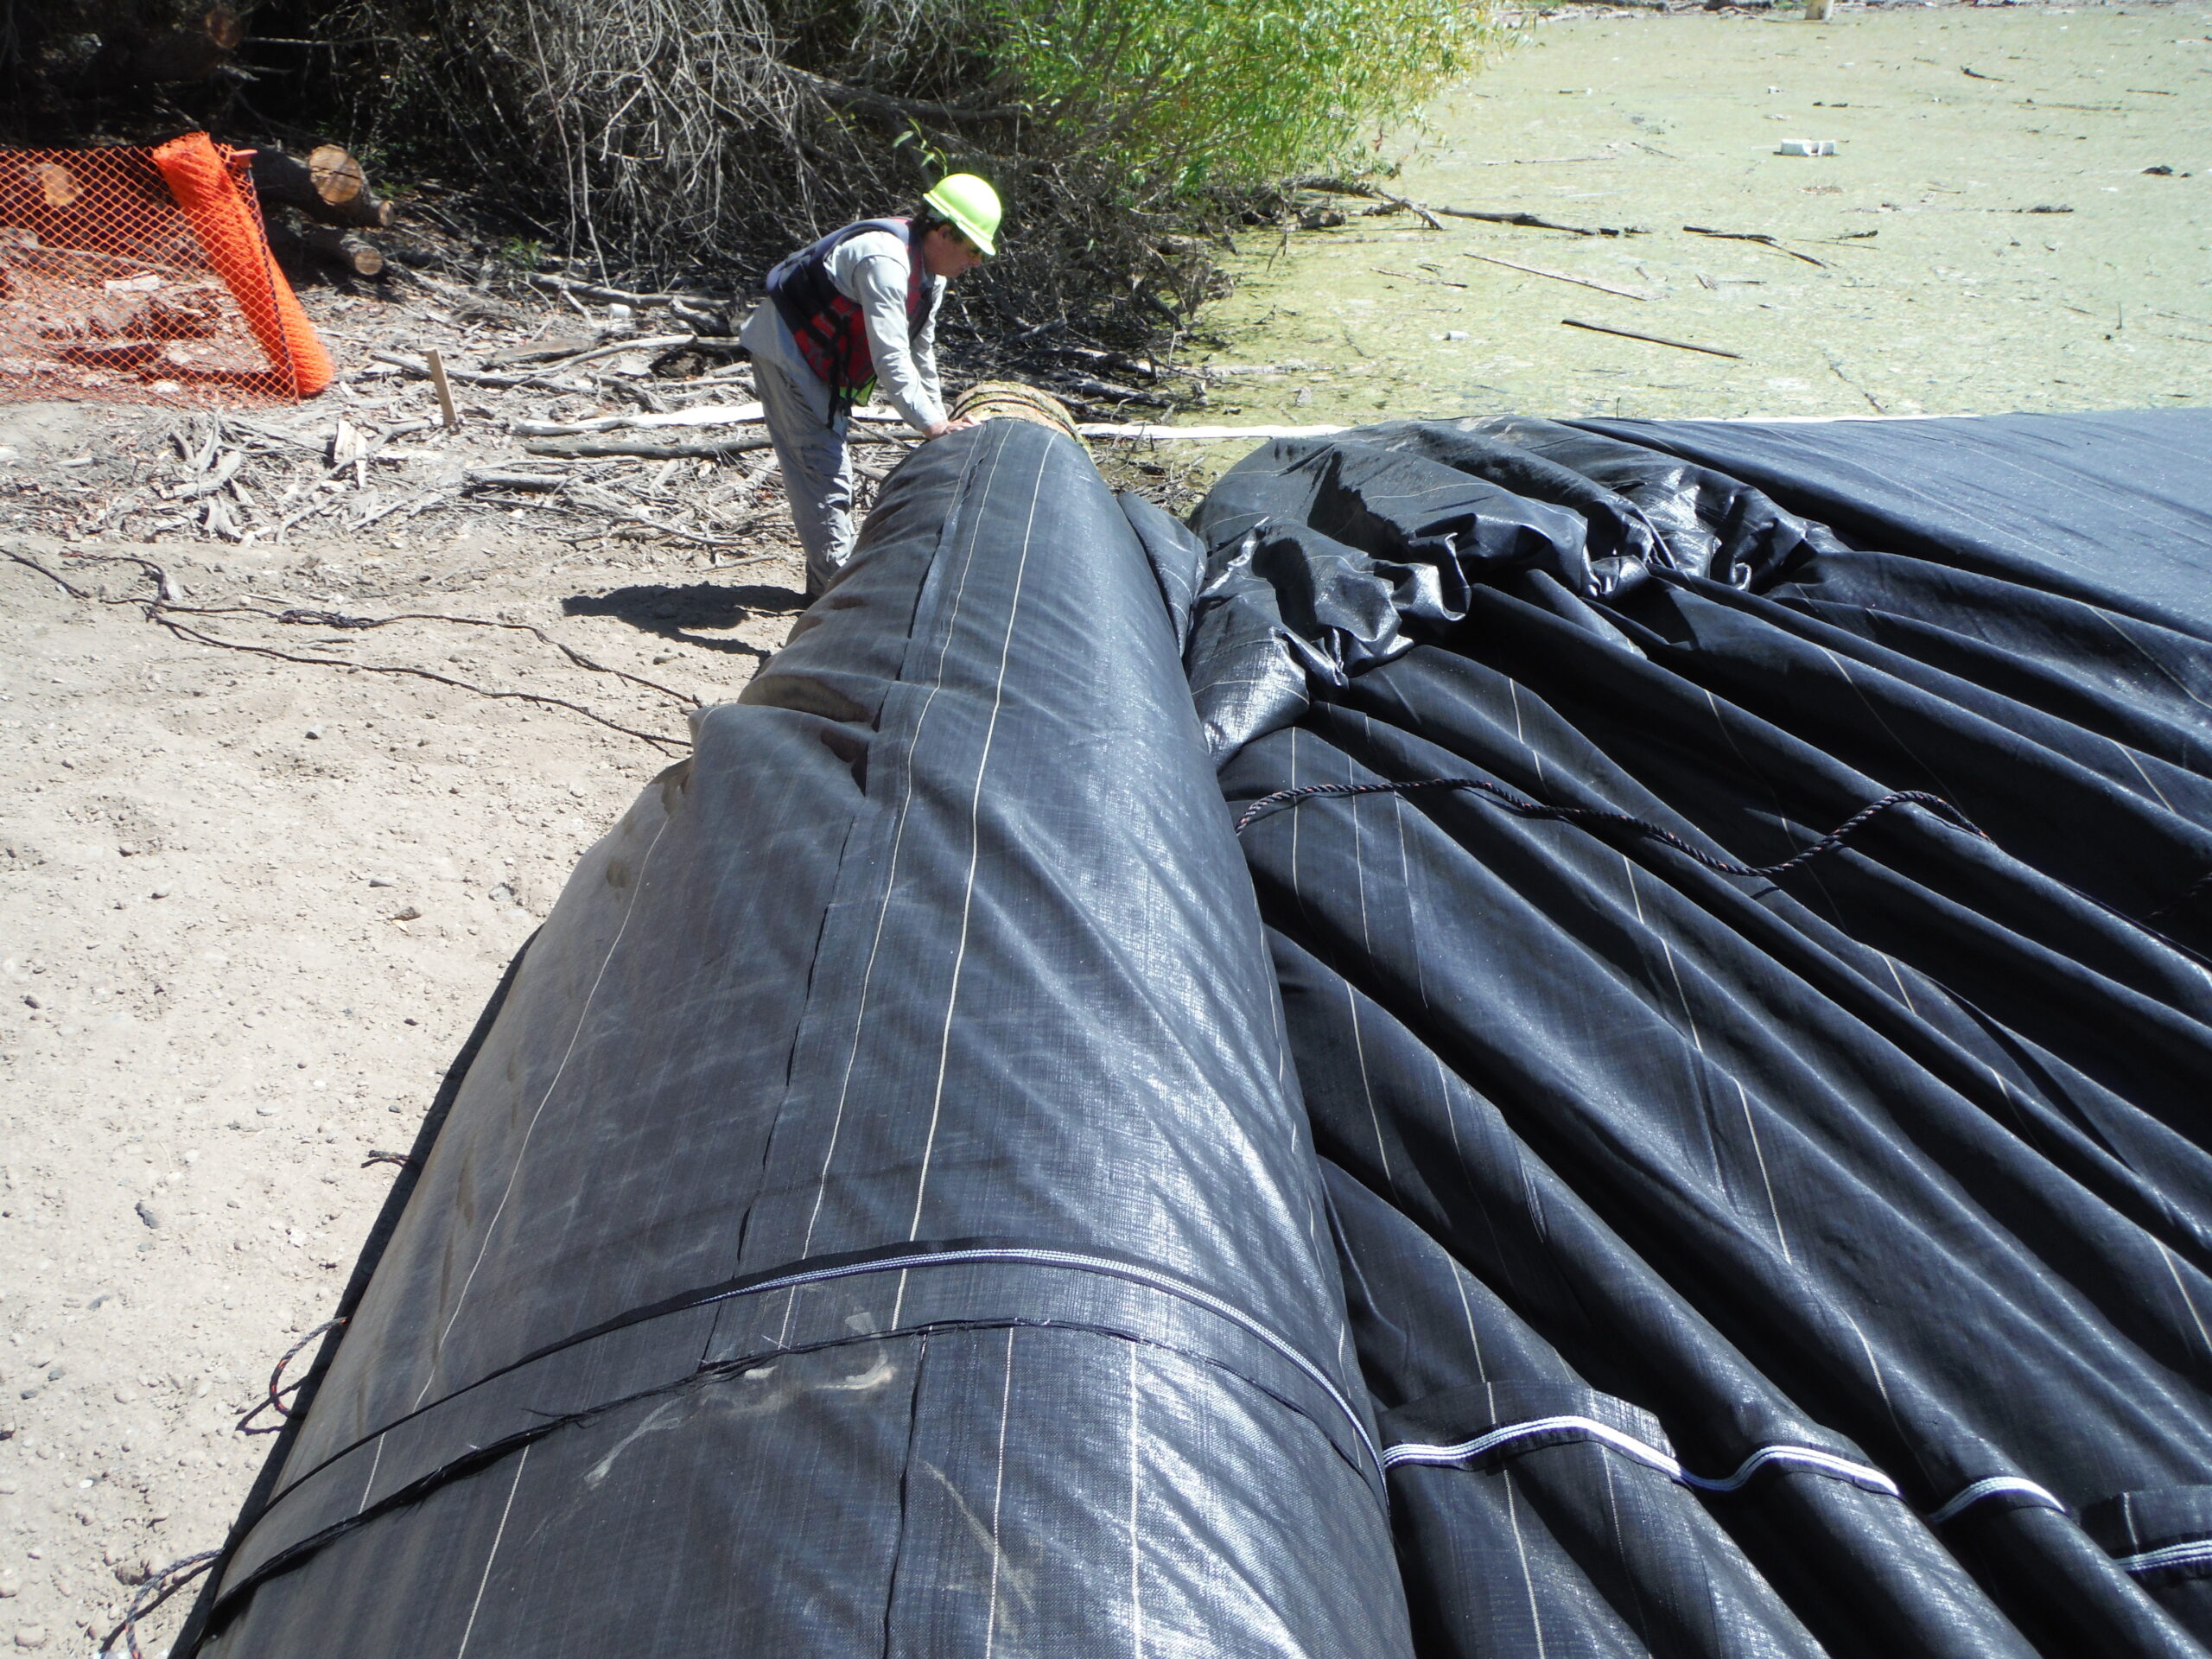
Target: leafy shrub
675	133
1193	93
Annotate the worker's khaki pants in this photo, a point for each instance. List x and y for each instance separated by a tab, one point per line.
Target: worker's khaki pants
810	439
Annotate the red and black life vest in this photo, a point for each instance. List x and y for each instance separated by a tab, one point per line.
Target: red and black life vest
831	329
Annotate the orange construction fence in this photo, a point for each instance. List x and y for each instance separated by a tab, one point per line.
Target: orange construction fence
143	276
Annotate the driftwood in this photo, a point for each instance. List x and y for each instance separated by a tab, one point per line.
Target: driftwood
1429	211
1556	276
1654	339
1337	186
1534	223
329	185
1760	236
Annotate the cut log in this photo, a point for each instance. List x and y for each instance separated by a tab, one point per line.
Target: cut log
329	186
357	254
339	178
56	183
312	242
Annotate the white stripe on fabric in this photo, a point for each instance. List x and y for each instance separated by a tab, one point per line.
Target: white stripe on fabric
492	1555
1991	1487
974	856
2197	1552
1798	1457
1795	1457
890	882
1467	1451
891	877
583	1014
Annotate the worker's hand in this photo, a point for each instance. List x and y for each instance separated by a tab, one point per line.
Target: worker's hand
959	423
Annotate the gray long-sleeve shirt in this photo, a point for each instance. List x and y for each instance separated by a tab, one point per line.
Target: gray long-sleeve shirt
872	270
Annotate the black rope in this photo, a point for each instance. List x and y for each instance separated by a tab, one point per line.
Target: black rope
1592	819
277	1387
157	1588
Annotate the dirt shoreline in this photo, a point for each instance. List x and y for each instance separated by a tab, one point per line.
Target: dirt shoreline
249	911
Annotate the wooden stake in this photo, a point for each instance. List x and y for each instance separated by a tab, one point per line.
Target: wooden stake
1655	340
445	390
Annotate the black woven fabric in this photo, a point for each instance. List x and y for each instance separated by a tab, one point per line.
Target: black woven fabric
880	1219
926	1192
1879	1196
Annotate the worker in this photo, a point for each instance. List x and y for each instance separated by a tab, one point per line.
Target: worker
856	311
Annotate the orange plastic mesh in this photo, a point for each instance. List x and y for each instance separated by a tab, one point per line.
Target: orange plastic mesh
143	275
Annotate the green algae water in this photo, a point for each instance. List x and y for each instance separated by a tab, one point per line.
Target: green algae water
2017	216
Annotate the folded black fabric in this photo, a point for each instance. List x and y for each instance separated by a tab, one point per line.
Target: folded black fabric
1878	1192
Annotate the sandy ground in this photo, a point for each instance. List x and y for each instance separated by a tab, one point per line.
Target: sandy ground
249	909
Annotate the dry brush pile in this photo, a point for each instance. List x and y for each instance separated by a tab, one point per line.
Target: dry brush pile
699	138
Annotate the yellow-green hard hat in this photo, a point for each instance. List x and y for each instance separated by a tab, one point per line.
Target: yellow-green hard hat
971	204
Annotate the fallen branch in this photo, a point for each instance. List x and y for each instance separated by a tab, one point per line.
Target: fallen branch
602	449
702	415
1760	236
1532	222
615	348
1351	188
487	478
705	415
421	371
1556	276
1089	386
599	295
1120	361
1655	340
601	501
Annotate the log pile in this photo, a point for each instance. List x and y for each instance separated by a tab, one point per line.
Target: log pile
317	208
330	187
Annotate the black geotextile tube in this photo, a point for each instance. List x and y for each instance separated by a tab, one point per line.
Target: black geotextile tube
880	1219
1812	1265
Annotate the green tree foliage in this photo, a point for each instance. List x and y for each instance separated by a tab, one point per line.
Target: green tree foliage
1211	92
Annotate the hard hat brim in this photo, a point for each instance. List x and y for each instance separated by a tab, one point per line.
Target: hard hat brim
967	227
